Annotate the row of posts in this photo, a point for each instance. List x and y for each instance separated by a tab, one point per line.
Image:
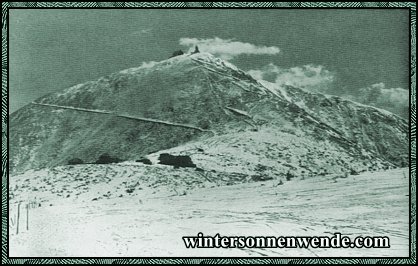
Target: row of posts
27	207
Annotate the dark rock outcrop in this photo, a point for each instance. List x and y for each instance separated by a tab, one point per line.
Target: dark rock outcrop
144	161
177	53
176	160
106	158
75	161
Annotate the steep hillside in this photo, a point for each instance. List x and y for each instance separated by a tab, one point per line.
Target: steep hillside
379	131
201	100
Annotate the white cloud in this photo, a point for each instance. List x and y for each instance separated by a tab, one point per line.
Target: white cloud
396	95
391	99
311	77
227	49
148	64
318	79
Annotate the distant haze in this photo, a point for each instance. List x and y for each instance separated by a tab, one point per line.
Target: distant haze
357	49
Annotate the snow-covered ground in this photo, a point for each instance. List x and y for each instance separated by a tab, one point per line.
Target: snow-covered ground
152	220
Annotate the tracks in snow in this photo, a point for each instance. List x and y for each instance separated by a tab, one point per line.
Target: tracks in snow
168	123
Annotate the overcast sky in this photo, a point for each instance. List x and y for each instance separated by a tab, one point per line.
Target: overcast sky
52	49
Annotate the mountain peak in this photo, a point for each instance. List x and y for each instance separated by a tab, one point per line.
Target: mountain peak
202	57
194	97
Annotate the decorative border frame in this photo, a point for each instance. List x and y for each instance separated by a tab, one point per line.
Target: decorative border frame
411	6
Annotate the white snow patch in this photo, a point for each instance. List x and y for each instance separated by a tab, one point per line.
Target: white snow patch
210	59
241	112
273	88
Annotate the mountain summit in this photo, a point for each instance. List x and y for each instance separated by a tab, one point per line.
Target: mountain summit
201	106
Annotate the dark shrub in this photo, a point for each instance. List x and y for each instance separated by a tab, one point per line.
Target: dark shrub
260	168
176	160
106	158
289	176
204	124
325	103
293	108
75	161
404	164
144	161
258	178
353	172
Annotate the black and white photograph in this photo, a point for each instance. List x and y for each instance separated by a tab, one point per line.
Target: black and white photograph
208	132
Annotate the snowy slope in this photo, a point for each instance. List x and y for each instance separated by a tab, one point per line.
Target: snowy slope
151	222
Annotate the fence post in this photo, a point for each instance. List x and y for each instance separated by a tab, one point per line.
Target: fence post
18	216
27	216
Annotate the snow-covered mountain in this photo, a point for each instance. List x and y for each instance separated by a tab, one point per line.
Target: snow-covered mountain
204	107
